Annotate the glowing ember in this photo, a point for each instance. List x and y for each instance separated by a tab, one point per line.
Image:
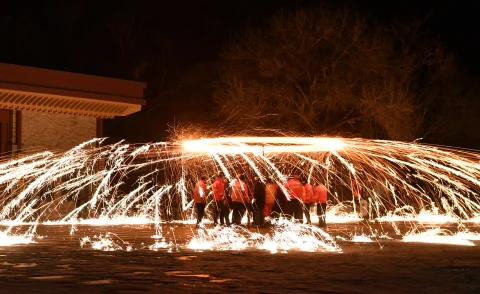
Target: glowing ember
361	238
11	239
440	236
109	242
284	237
235	145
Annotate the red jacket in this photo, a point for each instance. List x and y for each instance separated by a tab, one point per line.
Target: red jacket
200	192
308	195
270	193
321	193
356	189
218	189
294	188
240	191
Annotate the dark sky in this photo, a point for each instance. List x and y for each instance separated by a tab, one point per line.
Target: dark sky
183	39
72	35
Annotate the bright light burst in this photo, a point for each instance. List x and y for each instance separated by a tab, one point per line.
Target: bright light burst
136	184
13	239
441	236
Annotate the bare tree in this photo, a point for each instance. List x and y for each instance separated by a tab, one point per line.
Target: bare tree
325	71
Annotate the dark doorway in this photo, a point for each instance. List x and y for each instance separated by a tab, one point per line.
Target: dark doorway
4	130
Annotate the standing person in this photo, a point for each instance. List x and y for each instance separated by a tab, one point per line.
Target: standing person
295	191
357	194
270	195
307	199
259	204
320	195
227	201
200	196
240	199
220	210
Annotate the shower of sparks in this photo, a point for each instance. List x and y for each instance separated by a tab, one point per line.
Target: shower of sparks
438	235
121	183
12	239
287	236
107	242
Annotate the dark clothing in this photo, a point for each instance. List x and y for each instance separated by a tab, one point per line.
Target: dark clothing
322	213
306	212
294	208
259	217
280	204
238	212
225	215
259	196
220	210
200	211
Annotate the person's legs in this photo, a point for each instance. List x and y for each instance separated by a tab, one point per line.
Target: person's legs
200	212
261	215
222	217
306	212
297	210
223	213
322	213
234	213
227	214
238	212
289	208
216	212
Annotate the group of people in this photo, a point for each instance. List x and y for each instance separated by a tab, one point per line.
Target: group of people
300	197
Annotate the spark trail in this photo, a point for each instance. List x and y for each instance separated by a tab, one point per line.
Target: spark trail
123	183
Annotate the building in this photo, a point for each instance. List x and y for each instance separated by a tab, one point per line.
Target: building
54	110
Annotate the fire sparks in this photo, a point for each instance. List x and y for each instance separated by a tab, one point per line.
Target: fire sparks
440	236
148	184
13	239
107	242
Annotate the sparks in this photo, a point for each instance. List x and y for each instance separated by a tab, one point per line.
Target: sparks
122	183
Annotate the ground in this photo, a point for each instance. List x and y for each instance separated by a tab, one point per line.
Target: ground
57	263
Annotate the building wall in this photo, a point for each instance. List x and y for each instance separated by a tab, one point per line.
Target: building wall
55	131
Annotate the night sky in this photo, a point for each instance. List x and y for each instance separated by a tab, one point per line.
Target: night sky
174	39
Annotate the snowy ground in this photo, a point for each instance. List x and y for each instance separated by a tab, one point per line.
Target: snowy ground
57	263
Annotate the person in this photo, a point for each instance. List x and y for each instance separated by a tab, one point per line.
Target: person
357	194
259	204
270	195
295	191
200	196
220	209
227	201
320	196
240	199
307	199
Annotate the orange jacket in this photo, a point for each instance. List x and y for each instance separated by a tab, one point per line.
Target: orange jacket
308	195
356	189
321	193
200	192
294	188
240	191
270	193
218	189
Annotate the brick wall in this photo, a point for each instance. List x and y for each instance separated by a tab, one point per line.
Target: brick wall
55	131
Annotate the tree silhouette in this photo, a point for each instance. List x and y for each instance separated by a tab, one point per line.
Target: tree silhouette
329	71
